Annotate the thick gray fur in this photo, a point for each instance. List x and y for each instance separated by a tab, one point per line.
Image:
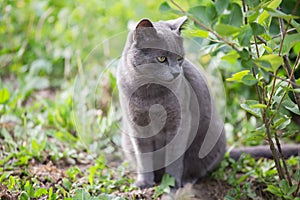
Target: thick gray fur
147	42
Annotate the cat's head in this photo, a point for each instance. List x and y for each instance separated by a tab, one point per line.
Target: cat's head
157	48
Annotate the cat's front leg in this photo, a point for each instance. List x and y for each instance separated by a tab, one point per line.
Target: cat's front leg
144	158
175	169
174	159
145	180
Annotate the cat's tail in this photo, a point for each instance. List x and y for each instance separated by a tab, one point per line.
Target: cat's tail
264	151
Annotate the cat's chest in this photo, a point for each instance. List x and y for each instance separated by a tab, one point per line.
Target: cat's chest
153	100
151	94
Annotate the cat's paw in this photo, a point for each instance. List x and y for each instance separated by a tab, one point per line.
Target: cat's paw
143	184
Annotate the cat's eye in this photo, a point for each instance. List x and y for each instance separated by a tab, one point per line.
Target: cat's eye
179	58
161	59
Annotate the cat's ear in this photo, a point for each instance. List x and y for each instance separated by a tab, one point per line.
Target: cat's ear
144	30
144	23
177	24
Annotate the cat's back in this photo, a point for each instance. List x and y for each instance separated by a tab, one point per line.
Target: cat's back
199	85
210	139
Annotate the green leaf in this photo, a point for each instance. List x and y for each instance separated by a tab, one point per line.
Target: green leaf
227	197
254	111
284	186
289	42
297	90
36	147
238	76
73	171
281	123
205	14
252	15
295	25
204	2
276	13
292	190
245	35
274	190
82	194
270	62
288	104
164	187
12	182
268	49
198	12
256	136
245	55
297	48
231	57
29	189
257	29
39	192
293	109
298	81
273	4
244	177
271	172
4	95
226	30
221	5
164	7
258	105
252	3
67	184
249	80
234	18
168	180
266	65
197	33
24	196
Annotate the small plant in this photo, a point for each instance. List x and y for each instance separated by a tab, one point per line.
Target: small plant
165	186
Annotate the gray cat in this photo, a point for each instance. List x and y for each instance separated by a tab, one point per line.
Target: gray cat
170	124
167	107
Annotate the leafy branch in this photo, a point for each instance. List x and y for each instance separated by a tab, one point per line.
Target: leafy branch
232	45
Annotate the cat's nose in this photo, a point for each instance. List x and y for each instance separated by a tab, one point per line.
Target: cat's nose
175	74
175	71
